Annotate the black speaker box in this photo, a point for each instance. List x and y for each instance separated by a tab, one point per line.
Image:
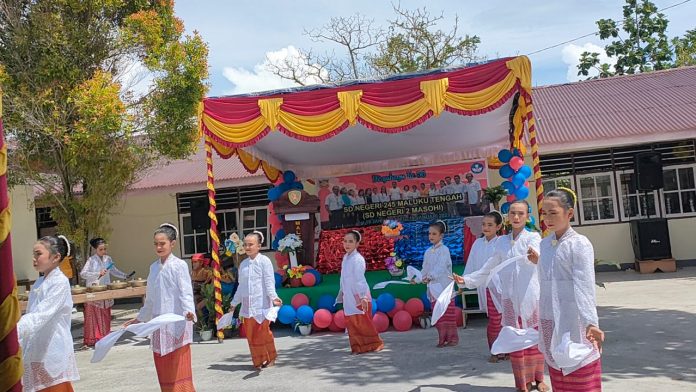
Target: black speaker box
199	214
648	171
650	238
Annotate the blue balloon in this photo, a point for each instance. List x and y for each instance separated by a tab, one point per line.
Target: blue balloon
289	176
516	152
286	314
525	170
504	156
518	180
522	193
274	193
276	243
278	279
284	187
326	301
386	302
426	302
505	208
374	306
506	171
305	314
280	234
509	187
317	275
297	185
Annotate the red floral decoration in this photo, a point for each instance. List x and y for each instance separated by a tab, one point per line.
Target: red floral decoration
374	247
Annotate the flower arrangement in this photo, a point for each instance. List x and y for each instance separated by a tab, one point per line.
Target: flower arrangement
289	244
234	245
391	228
394	264
296	272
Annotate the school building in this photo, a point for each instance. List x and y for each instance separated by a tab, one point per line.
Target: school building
589	133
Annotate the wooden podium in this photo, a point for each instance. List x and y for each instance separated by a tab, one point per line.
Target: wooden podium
299	209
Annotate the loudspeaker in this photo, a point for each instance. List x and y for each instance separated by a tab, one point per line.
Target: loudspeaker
650	238
648	171
199	214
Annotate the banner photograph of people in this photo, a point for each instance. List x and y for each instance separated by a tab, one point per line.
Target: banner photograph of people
409	194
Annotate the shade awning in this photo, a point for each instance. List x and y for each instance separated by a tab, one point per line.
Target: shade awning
433	118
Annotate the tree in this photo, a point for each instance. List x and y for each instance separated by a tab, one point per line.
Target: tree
77	132
412	42
639	43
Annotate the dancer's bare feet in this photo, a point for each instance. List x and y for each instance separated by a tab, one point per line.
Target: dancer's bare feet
542	387
493	359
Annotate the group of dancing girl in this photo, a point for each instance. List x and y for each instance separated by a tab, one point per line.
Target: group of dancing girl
529	287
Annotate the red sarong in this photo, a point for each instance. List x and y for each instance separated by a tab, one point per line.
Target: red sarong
174	370
260	339
447	325
527	367
97	323
586	379
362	333
494	320
62	387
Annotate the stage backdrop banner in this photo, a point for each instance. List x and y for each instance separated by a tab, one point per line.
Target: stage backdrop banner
420	193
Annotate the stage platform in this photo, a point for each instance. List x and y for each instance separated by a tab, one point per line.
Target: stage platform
330	285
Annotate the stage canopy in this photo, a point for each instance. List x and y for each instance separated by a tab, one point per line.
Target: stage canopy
428	118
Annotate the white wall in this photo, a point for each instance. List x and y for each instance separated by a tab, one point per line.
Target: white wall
23	231
682	233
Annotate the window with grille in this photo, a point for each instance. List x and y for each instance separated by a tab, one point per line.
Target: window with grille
679	193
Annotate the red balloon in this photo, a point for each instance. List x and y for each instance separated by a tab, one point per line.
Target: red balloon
340	319
399	305
414	306
516	163
402	320
381	321
335	328
295	282
511	198
323	318
309	280
298	300
281	260
316	328
460	319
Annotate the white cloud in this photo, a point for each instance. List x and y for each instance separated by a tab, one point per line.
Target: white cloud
262	79
571	56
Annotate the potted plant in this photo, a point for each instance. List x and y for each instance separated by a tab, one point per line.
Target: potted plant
289	245
425	320
295	275
494	194
204	330
304	328
394	265
207	319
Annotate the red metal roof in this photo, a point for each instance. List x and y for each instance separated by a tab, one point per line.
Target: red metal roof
648	107
193	171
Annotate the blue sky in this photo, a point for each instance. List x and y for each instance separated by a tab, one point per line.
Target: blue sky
242	33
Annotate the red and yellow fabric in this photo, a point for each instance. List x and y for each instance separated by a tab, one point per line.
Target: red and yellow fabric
233	123
174	370
10	354
261	343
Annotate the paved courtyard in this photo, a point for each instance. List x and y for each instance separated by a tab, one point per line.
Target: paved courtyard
650	322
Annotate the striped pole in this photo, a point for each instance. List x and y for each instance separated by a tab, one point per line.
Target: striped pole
10	354
531	126
214	234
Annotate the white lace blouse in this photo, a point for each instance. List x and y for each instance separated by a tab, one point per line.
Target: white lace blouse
437	266
256	290
44	334
169	291
567	304
353	283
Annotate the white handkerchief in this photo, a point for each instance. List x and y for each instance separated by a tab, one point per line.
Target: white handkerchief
443	301
272	313
413	273
142	329
568	354
384	284
514	339
225	321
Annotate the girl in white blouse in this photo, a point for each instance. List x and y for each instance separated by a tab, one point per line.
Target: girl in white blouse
169	291
256	292
44	331
482	249
437	273
570	338
354	293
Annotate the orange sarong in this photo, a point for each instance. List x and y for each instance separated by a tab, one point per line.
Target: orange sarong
362	333
261	344
174	370
62	387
